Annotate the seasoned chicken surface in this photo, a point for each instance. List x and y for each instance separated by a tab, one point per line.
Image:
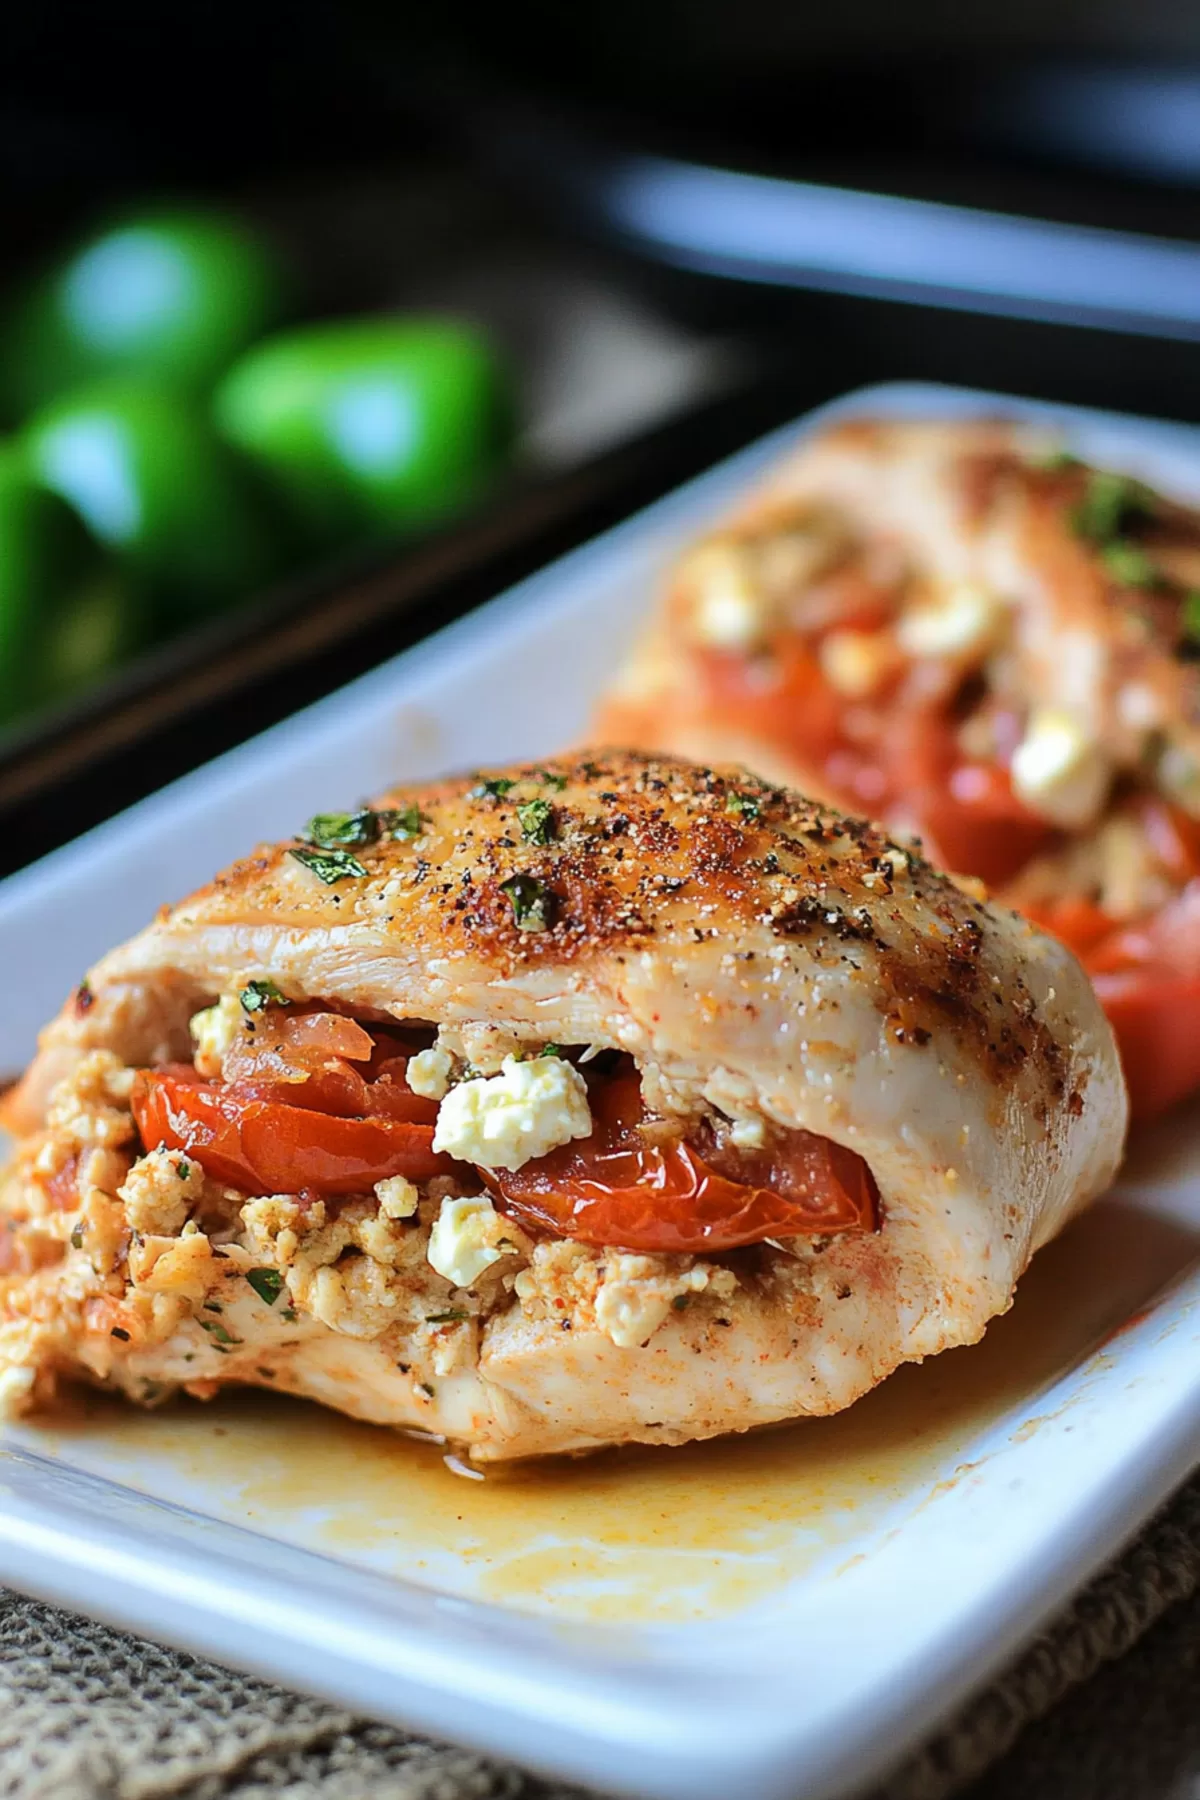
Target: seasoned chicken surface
968	633
615	1099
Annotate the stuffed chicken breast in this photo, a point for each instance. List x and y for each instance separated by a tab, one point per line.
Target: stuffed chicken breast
610	1100
965	632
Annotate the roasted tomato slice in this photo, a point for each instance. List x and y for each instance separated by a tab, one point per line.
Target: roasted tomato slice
264	1144
620	1187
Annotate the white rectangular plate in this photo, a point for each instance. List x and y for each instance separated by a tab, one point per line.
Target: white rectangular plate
791	1611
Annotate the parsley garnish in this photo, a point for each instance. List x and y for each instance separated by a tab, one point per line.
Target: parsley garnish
550	1050
549	779
1052	462
745	806
217	1331
183	1170
256	996
537	821
492	788
290	1314
1110	503
77	1238
452	1316
680	1302
342	830
329	865
267	1284
1129	565
532	902
403	821
1191	615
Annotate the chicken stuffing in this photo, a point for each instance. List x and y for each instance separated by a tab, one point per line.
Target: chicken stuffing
609	1100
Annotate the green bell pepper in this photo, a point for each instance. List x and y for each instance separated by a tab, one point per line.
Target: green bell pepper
66	615
145	471
369	424
175	294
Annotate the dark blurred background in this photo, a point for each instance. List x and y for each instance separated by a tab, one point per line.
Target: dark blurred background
669	225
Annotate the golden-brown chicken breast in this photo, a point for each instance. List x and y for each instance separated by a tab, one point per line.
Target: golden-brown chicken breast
974	637
610	1100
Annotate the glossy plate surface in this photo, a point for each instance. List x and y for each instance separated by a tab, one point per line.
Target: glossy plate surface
789	1611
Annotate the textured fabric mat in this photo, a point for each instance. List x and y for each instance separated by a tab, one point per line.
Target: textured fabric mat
92	1714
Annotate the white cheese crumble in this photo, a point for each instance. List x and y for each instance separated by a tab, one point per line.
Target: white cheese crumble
964	621
503	1121
729	614
429	1073
397	1197
748	1134
1059	771
468	1236
856	663
214	1031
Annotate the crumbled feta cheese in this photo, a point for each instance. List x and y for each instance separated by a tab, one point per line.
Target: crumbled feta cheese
965	620
397	1197
429	1073
214	1031
1058	771
636	1296
748	1134
503	1121
729	614
160	1190
468	1236
856	663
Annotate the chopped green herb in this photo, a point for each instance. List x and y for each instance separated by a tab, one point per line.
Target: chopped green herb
746	806
532	902
267	1284
537	821
454	1314
183	1169
492	788
549	779
343	831
290	1314
1129	565
551	1050
329	865
1054	461
403	821
1110	503
119	1332
681	1302
217	1331
213	1306
77	1238
256	996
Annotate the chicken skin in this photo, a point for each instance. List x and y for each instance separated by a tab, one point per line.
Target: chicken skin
615	1099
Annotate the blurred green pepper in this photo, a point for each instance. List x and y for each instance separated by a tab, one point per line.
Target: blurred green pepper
66	615
371	423
143	468
176	294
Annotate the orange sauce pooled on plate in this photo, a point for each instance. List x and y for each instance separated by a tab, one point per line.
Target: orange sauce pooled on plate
638	1536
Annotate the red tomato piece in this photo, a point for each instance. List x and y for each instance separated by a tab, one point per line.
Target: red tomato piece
264	1146
615	1187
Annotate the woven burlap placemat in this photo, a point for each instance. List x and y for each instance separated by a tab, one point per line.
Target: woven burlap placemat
1105	1703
